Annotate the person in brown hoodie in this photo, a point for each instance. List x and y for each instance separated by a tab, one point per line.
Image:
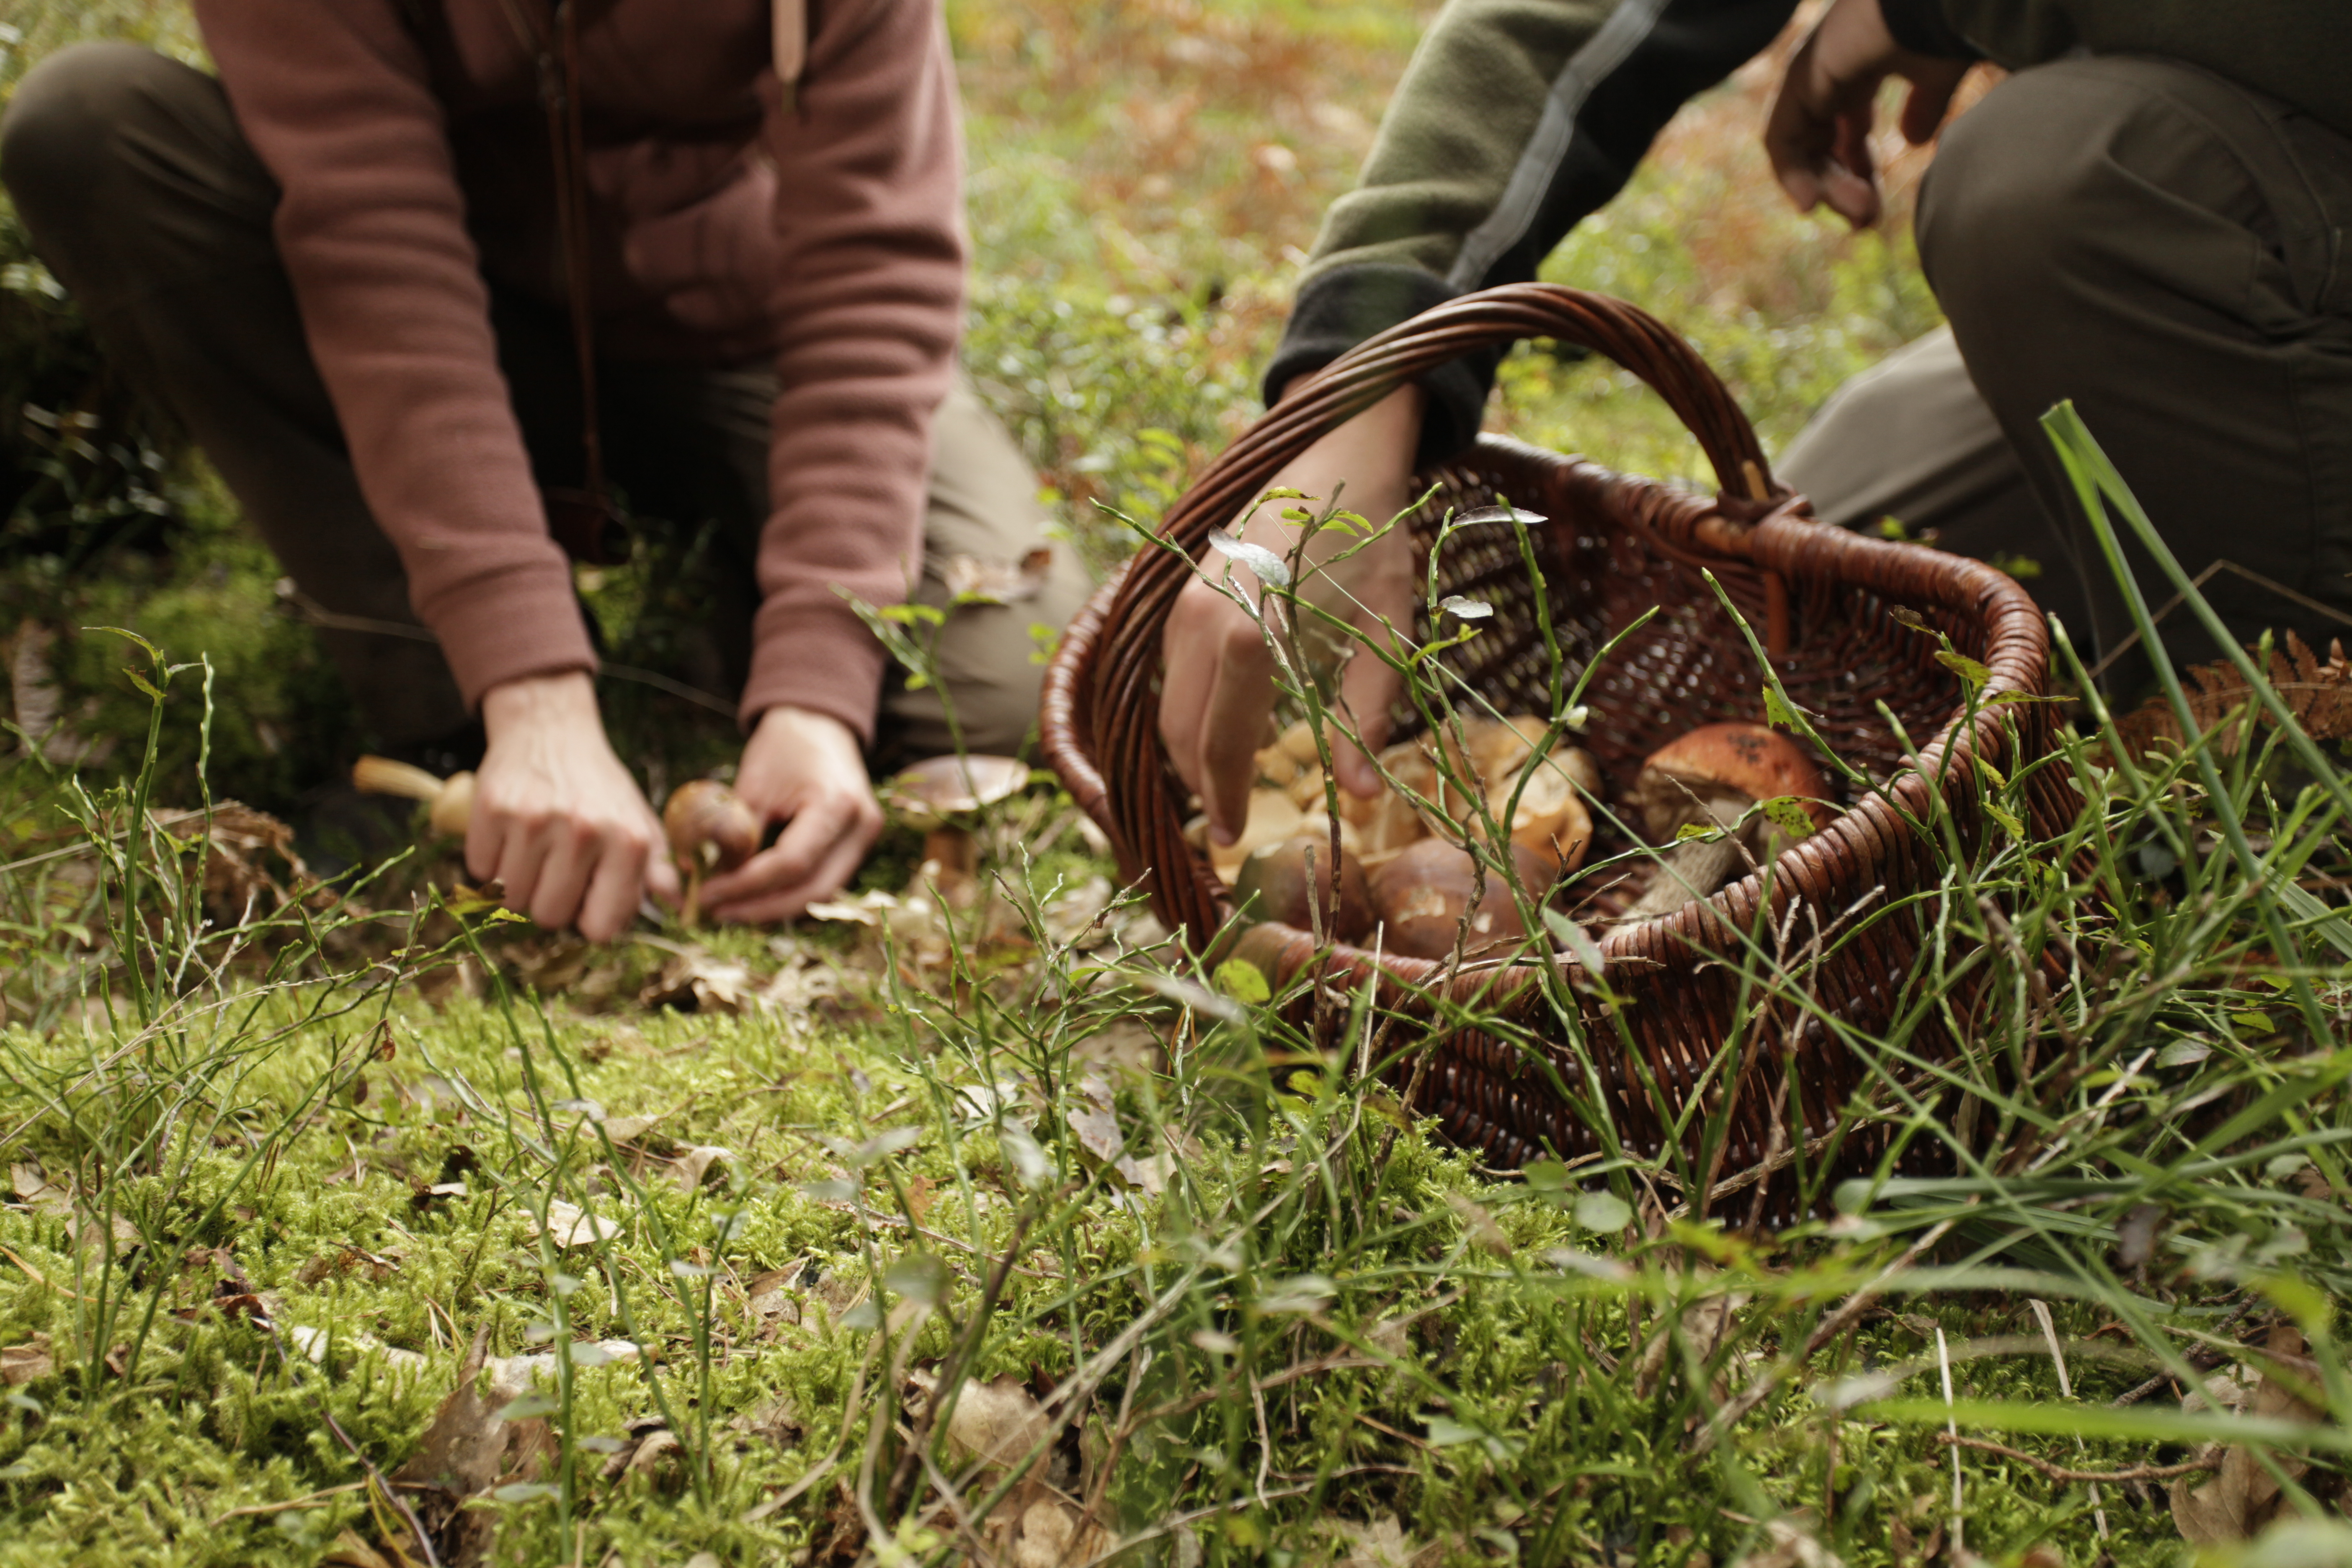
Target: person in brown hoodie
343	265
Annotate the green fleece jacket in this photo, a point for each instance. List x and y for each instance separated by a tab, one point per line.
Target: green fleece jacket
1516	118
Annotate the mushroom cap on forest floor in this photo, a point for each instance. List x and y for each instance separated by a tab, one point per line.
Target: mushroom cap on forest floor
936	791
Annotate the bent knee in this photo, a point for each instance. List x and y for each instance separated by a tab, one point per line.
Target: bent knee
2075	170
62	134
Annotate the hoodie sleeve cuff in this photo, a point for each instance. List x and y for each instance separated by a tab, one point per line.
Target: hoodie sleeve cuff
1341	308
504	626
819	657
1921	27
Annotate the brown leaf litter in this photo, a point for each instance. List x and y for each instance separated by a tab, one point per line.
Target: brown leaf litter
2244	1496
471	1449
996	1425
2317	693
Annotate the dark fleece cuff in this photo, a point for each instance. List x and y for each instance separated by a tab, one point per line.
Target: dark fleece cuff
1348	304
1921	27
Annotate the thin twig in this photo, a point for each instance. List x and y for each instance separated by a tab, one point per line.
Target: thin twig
2063	1473
307	1501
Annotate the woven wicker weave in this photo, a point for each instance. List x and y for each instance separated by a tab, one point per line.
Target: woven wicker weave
1615	546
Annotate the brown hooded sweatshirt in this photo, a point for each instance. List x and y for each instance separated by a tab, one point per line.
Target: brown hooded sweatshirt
726	226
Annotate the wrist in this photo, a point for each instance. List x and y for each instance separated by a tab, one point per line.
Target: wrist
567	697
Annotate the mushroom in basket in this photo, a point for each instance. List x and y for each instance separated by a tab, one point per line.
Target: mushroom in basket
1423	895
1273	885
1710	779
942	798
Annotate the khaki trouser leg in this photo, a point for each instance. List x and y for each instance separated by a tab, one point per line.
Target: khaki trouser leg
2165	249
984	504
690	446
142	194
1910	439
144	198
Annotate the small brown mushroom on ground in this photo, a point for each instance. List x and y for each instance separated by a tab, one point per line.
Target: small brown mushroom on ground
1710	778
450	800
1422	894
709	826
709	829
942	798
1273	886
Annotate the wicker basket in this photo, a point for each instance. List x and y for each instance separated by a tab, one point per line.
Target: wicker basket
1615	546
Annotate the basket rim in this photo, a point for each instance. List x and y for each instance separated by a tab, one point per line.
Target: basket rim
1754	523
1788	539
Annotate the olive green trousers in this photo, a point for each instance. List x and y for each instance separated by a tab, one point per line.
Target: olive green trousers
2173	252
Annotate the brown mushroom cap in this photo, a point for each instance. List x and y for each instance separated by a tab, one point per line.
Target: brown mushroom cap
706	823
1273	886
1271	819
929	793
1745	761
1551	819
1421	895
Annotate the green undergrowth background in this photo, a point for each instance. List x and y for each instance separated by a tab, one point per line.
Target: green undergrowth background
1313	1333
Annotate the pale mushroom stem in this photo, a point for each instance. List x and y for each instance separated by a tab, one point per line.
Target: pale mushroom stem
956	853
1691	869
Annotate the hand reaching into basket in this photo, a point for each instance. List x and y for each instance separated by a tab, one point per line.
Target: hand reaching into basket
1819	133
1219	690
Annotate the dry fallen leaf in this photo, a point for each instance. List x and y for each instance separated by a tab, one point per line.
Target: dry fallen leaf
461	1456
695	981
21	1365
1788	1544
1479	1223
996	1423
568	1225
776	1418
1382	1544
629	1128
1048	1527
351	1551
770	1294
2242	1497
978	579
1098	1132
92	1240
693	1167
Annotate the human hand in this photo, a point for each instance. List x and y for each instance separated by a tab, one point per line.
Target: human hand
806	770
1219	689
556	817
1818	134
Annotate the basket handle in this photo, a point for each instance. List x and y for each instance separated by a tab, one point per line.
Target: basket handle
1378	366
1105	684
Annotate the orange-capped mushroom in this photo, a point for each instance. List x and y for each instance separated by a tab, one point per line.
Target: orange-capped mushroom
1710	778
